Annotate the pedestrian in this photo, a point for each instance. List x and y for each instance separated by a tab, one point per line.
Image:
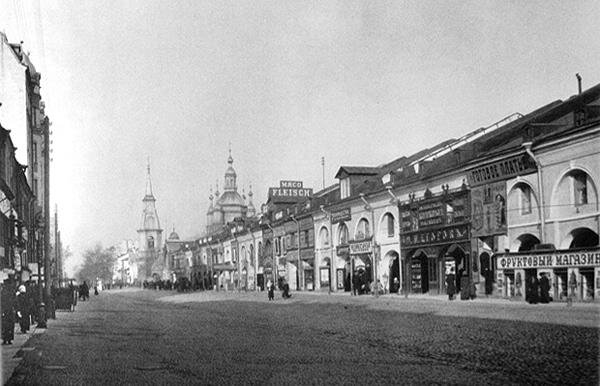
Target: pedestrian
95	290
270	290
7	305
532	290
544	288
451	284
396	288
286	290
23	309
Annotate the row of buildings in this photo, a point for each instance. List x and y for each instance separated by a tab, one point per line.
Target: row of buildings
28	234
499	206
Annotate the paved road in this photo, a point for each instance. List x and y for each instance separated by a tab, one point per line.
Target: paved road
154	337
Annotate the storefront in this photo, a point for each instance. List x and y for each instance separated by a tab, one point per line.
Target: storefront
573	274
434	240
361	256
490	217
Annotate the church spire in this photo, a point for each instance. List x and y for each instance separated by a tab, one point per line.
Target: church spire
148	182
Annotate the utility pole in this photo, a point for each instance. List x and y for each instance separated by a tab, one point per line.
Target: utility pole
323	167
299	276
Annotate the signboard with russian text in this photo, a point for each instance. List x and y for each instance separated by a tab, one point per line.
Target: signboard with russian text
488	209
342	250
341	215
555	259
444	209
361	247
449	234
501	170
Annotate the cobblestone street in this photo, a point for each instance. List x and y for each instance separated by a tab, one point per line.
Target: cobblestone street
159	337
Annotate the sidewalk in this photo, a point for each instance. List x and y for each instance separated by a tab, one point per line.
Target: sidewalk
12	354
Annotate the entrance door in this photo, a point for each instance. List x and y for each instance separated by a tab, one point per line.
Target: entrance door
587	283
394	274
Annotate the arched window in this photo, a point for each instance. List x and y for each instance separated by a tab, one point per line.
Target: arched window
252	254
583	238
362	230
524	192
528	241
150	242
324	237
388	225
343	234
580	189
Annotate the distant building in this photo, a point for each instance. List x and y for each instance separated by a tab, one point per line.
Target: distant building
150	237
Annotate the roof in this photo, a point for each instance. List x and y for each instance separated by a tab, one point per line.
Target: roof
357	170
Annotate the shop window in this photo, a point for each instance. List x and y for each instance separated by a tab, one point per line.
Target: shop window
580	187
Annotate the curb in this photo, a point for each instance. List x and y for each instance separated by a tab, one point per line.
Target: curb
10	353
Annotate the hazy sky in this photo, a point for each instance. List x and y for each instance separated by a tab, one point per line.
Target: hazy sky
287	82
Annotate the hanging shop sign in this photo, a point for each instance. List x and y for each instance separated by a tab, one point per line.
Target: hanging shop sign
488	209
342	250
360	247
455	233
341	215
501	170
556	259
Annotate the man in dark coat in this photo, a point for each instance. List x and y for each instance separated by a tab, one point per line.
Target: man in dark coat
7	302
532	290
544	288
450	284
23	309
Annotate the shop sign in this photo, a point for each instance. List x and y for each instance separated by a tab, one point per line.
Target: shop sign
341	215
501	170
342	250
438	236
443	209
557	259
290	189
488	209
360	247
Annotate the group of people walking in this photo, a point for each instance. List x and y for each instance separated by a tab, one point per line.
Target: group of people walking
538	290
285	289
17	305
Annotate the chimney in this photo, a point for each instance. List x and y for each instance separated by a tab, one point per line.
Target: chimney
578	82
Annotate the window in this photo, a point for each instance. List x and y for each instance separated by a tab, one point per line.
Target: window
277	245
449	214
525	193
35	155
580	187
150	242
306	239
389	219
362	231
345	188
343	234
324	237
284	239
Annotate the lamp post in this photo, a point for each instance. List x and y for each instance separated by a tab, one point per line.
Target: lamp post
39	224
328	214
299	280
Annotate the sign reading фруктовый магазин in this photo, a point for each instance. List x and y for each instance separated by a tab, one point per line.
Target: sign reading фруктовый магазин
559	259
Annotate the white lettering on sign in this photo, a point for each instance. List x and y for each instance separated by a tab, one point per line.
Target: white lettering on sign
360	248
290	184
550	260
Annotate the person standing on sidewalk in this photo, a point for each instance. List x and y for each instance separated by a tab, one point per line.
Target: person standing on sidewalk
450	284
23	309
7	304
271	290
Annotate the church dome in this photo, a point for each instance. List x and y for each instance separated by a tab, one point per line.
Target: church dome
173	236
230	198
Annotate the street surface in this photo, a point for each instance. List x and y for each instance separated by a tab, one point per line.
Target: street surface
158	337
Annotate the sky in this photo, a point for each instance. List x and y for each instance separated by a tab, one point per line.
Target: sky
285	82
